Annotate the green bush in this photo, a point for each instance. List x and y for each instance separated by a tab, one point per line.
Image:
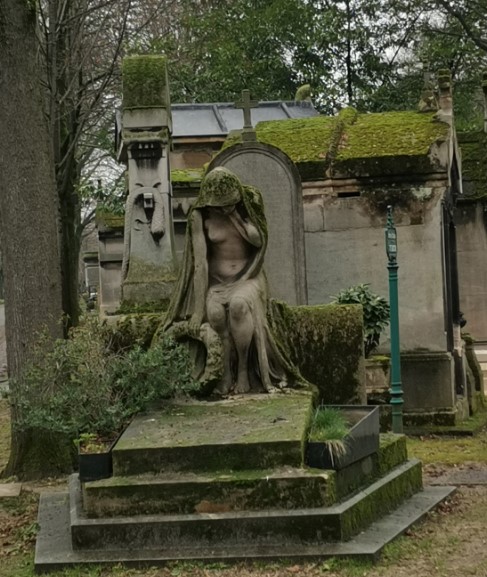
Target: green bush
86	385
376	312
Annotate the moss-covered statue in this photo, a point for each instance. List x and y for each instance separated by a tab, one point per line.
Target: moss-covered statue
221	299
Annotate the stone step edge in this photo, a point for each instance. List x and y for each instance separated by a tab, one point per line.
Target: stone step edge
338	509
391	454
205	476
246	490
54	550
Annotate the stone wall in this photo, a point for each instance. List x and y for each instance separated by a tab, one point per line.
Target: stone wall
345	246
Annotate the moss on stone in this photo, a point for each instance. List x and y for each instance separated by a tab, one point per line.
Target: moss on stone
106	220
325	342
473	146
354	144
377	503
187	175
132	308
134	329
145	82
393	451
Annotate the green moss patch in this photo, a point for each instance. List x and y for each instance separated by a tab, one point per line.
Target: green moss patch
253	431
187	175
325	342
405	133
144	80
473	146
377	503
355	144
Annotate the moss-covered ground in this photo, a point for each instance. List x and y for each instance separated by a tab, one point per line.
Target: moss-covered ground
450	542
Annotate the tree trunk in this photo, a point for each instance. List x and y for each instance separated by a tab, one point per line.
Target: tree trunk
28	207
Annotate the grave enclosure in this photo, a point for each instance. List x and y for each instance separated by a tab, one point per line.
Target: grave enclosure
327	182
185	489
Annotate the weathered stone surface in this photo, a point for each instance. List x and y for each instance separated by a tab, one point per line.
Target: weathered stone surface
148	268
227	490
221	300
271	527
10	490
178	493
249	432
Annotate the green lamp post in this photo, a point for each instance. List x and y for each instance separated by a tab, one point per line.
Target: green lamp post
396	384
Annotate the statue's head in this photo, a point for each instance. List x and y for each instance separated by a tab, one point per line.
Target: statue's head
220	187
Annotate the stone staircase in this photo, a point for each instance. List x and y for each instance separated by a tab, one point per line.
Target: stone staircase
226	481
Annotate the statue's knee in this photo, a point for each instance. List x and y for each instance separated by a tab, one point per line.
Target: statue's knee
216	316
238	308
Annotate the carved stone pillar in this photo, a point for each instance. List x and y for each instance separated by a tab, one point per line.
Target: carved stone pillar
143	140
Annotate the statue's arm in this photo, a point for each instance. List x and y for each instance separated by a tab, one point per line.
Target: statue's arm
246	228
200	278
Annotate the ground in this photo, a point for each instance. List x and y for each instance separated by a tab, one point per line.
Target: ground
452	541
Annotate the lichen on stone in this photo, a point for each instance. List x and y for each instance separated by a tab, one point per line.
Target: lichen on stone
473	146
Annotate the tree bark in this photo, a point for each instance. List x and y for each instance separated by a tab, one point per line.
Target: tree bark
28	207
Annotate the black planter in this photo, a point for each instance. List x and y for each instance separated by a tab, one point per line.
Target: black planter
94	466
361	441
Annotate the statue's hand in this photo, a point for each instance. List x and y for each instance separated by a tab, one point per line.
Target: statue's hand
195	323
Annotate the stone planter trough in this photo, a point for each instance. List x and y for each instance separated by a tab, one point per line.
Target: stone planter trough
360	442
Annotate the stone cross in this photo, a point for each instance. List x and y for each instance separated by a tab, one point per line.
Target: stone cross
246	105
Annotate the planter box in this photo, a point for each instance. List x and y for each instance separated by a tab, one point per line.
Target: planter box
94	466
361	441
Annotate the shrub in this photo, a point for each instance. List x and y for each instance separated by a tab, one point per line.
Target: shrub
376	312
85	385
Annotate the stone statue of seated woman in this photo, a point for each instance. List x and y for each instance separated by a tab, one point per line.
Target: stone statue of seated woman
221	298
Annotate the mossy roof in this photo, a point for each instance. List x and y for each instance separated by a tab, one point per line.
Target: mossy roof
473	147
355	144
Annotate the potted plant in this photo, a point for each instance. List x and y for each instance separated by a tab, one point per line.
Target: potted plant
94	457
341	435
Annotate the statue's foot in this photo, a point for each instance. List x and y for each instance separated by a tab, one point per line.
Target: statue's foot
224	386
242	386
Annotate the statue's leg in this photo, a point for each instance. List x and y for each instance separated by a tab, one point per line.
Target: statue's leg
217	317
242	329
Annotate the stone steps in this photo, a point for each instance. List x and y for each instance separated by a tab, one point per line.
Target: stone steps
54	548
218	491
270	527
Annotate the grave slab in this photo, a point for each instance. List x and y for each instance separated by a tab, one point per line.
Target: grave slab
247	432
